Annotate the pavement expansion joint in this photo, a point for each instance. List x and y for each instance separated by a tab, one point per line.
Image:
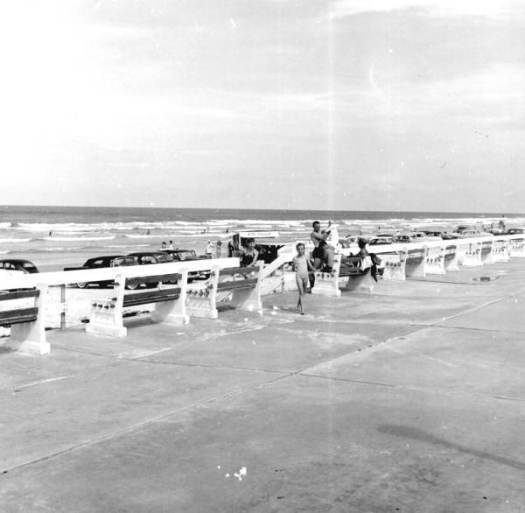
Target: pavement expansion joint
234	392
209	366
471	328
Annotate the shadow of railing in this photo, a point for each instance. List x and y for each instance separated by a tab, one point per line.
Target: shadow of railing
423	436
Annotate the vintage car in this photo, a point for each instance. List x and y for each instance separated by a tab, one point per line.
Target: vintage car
151	257
467	233
402	238
100	263
381	241
440	234
184	255
179	255
17	264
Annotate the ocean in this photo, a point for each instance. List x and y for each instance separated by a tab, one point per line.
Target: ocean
55	237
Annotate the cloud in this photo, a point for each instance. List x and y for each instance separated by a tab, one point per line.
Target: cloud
485	8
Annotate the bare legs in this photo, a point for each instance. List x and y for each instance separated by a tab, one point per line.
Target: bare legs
302	287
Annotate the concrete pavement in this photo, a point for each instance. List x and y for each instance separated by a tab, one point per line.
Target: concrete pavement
408	399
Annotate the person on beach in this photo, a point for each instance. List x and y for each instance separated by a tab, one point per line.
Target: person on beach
248	254
303	268
218	249
170	245
163	245
209	249
368	260
322	254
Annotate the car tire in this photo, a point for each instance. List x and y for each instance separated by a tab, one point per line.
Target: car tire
82	285
132	285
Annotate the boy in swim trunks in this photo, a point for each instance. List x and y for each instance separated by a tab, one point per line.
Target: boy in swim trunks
302	267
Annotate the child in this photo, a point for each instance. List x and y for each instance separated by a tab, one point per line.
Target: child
302	266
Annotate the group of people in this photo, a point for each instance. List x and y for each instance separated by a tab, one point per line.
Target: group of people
305	266
247	252
166	245
322	258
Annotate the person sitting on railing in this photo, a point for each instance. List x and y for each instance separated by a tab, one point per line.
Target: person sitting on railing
323	253
248	254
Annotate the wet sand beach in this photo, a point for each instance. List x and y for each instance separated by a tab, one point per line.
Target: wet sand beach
407	399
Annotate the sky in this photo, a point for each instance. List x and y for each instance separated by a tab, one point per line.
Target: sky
342	104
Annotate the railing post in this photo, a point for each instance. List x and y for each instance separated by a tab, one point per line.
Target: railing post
106	317
452	257
416	262
201	296
250	298
30	337
173	312
435	260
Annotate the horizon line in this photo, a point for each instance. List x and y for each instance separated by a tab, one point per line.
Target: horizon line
448	212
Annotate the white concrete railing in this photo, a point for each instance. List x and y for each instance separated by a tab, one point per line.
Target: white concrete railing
110	273
273	278
438	257
32	338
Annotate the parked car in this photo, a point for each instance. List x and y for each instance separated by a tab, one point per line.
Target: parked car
151	257
17	264
349	240
514	231
467	233
402	239
380	241
449	236
100	263
179	255
184	255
